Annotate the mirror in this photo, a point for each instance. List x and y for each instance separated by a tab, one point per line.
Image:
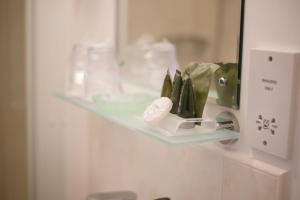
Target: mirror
208	31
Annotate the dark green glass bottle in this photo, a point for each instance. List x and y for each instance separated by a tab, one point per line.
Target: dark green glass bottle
186	107
175	95
167	86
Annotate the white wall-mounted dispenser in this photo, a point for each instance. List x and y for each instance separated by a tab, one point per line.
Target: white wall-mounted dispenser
271	98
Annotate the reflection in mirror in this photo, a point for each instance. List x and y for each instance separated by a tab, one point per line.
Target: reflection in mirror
203	31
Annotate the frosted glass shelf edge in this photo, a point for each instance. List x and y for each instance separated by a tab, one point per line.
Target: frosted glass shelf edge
141	127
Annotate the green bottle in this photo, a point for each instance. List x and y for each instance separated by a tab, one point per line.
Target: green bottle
175	95
186	107
167	86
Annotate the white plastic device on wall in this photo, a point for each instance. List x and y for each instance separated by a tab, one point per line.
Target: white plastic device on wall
271	100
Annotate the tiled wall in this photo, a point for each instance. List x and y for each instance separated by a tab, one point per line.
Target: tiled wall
122	159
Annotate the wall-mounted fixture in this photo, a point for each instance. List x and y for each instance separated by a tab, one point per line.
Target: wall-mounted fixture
271	100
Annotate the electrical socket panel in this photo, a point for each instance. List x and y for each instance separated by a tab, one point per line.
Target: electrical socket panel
271	100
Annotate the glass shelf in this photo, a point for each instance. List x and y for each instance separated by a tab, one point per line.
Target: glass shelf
128	114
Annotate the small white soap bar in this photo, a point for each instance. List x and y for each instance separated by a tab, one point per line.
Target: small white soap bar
157	110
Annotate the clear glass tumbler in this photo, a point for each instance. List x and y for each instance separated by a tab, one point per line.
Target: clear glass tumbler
103	78
78	67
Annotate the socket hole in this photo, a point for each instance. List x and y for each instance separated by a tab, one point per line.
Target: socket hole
270	58
265	142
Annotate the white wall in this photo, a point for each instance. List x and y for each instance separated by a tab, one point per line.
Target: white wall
77	154
274	24
58	133
49	42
